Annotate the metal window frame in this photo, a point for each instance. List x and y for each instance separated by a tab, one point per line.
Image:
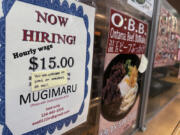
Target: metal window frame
148	73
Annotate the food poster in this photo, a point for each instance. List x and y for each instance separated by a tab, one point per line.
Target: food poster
127	39
46	50
178	59
178	38
167	43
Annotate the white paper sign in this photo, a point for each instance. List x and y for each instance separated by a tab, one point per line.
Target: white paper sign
143	65
47	37
145	6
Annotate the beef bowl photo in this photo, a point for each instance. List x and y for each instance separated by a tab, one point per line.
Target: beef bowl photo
120	86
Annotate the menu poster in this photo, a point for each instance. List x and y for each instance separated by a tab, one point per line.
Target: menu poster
145	6
178	38
178	59
120	94
167	43
46	50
